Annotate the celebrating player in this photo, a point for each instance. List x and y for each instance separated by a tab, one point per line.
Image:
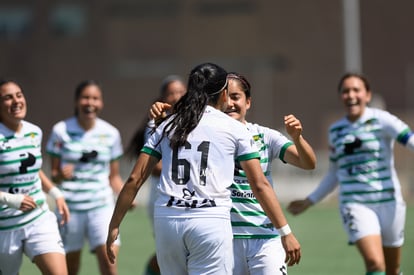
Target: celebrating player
257	245
198	145
362	162
26	223
84	153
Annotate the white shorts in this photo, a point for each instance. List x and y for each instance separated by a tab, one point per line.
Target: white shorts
37	238
385	219
92	225
194	246
259	257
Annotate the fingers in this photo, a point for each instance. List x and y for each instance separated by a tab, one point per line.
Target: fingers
27	204
293	125
110	253
292	249
63	210
298	206
112	236
293	257
295	208
67	171
158	109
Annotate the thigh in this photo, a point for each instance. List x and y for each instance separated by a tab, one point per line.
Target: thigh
210	244
392	220
170	249
97	227
43	237
359	221
267	257
11	251
51	263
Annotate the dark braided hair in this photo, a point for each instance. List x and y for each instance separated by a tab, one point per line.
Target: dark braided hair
205	84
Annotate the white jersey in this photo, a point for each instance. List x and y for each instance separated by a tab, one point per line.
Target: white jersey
362	156
91	153
20	162
195	178
248	219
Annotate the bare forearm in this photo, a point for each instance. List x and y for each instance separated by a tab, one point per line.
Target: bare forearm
270	204
123	203
138	176
307	157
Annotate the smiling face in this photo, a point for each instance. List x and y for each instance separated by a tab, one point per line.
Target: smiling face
12	105
238	103
355	97
89	103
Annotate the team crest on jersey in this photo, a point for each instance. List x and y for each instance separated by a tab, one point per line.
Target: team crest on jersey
34	140
258	141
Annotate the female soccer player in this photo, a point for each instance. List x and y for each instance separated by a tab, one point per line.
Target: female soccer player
84	152
257	245
26	223
198	145
362	162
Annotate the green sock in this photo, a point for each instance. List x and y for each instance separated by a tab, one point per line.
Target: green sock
375	273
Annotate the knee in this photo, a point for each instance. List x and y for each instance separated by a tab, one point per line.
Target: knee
373	265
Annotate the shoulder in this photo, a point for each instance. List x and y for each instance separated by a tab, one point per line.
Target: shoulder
104	125
339	124
379	113
254	127
65	123
30	127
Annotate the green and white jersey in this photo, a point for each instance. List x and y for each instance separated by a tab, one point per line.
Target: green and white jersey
20	162
362	155
91	153
248	219
195	178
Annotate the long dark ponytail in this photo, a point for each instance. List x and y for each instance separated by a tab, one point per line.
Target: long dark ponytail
205	84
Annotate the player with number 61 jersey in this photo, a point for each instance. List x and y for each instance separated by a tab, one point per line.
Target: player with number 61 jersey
198	181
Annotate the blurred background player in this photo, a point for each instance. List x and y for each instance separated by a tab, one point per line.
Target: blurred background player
362	162
85	152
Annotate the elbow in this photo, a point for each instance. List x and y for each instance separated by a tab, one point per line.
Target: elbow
311	166
308	166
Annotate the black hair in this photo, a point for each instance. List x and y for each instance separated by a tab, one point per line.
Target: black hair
205	84
80	87
166	82
357	75
138	139
6	81
245	85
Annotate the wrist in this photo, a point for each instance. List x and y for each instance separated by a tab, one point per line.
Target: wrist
284	230
11	200
55	193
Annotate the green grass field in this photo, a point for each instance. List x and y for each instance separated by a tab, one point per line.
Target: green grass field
324	246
